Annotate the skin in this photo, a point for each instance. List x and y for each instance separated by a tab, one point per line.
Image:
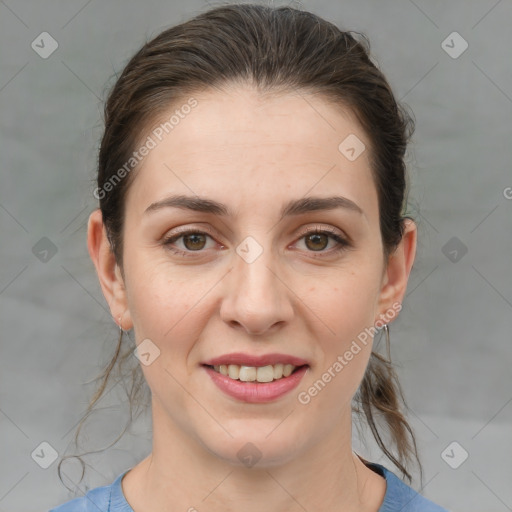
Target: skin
253	153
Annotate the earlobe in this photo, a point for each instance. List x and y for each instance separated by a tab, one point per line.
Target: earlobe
396	274
109	275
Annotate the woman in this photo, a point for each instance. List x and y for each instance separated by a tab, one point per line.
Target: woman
252	187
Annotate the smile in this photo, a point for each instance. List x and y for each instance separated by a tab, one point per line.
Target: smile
260	386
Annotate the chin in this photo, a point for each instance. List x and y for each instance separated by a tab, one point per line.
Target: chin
253	448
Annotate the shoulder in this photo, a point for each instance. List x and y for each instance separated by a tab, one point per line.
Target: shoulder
400	496
104	499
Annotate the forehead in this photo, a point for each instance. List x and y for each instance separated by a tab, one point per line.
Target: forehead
239	145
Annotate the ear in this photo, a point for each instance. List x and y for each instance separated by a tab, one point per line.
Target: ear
396	273
109	273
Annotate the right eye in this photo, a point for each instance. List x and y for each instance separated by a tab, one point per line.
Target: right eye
191	240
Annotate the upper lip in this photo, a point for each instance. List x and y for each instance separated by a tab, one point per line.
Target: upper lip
253	360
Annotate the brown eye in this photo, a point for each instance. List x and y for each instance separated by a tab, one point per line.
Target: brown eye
188	242
194	241
317	241
325	242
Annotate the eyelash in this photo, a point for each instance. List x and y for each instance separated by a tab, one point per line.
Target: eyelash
343	244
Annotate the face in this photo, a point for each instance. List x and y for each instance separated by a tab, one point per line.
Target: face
260	273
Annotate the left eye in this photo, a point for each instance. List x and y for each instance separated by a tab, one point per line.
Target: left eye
318	241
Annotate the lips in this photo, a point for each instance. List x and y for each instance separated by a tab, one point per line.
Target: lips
247	377
256	392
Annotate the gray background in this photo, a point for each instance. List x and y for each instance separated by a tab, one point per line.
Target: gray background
452	340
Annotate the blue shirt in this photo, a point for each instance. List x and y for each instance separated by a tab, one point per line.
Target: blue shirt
399	497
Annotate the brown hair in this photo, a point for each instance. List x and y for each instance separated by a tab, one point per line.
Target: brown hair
273	49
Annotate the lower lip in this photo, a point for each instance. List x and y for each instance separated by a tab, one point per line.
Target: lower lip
256	392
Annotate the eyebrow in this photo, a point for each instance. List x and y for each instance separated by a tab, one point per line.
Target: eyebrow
293	207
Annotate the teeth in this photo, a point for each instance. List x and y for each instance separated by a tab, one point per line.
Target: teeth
265	374
247	373
233	371
252	373
278	371
288	369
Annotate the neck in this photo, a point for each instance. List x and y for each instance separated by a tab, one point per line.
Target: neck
181	474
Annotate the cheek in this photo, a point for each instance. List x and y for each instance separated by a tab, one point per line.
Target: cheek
347	311
172	316
343	353
166	307
347	302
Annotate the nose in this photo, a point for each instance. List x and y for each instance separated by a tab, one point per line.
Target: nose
257	298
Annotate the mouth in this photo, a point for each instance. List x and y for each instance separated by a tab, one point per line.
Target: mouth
255	378
258	374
